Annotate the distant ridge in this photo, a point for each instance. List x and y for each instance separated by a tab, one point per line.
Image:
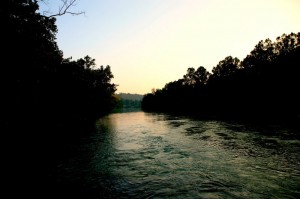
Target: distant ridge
128	102
129	96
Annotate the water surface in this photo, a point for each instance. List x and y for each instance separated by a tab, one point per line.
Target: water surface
144	155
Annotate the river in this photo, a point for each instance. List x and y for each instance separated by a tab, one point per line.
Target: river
146	155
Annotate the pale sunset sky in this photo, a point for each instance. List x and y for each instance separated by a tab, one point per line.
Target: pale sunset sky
149	43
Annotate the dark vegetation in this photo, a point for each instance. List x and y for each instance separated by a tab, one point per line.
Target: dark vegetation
47	100
264	87
38	80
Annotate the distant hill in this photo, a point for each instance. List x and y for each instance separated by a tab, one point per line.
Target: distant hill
129	96
128	103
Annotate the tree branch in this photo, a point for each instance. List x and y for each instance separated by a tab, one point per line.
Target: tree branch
65	8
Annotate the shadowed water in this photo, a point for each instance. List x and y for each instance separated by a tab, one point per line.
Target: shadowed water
143	155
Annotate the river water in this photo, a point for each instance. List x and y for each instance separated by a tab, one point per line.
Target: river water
145	155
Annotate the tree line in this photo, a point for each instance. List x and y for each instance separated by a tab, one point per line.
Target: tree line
263	86
39	85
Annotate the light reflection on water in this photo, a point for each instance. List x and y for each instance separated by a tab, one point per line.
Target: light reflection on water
143	155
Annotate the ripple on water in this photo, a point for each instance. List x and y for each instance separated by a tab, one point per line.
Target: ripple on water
158	156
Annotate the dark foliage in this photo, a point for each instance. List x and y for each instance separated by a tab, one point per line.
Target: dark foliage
46	100
263	87
37	80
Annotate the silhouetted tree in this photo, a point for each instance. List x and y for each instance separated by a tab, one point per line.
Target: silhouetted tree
194	77
261	87
226	67
38	76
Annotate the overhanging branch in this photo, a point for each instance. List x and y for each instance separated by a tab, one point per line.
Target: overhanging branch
65	8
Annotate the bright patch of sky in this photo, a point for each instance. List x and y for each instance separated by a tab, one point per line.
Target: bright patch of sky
149	43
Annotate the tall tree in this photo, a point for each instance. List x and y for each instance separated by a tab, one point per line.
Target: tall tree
198	76
226	67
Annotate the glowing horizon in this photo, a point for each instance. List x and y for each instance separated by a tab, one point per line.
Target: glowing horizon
150	43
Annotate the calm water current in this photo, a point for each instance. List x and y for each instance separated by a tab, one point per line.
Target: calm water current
144	155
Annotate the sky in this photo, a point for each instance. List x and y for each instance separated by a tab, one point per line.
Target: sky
148	43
